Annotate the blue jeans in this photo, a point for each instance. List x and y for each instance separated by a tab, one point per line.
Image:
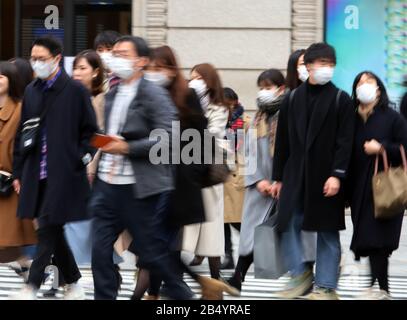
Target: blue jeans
328	253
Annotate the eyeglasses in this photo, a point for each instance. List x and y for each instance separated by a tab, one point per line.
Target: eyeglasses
33	60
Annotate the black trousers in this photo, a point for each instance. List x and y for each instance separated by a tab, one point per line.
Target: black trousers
228	236
379	264
114	209
51	245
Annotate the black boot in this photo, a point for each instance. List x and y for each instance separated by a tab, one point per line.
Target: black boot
51	293
236	281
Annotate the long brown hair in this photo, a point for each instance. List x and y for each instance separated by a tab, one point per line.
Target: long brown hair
96	63
164	57
213	82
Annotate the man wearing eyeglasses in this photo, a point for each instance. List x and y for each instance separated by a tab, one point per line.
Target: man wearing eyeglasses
50	176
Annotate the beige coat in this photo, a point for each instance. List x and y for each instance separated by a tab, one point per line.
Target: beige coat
13	231
207	239
234	188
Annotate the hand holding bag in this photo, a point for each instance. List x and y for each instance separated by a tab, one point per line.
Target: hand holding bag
390	188
268	261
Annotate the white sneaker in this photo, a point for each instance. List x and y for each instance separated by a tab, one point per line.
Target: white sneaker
74	291
26	293
373	294
383	295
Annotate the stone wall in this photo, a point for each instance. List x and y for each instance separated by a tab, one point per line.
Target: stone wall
240	37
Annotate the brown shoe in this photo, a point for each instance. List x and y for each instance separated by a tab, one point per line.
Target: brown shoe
213	289
150	297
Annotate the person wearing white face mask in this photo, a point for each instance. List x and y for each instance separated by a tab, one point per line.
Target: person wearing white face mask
312	154
186	202
130	189
51	176
378	128
257	198
297	72
103	45
207	239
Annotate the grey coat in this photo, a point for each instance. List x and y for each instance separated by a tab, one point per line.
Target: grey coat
259	166
151	109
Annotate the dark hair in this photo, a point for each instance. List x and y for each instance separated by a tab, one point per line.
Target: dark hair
25	71
14	84
271	76
383	102
319	50
230	94
213	82
96	63
179	90
140	45
292	81
106	38
51	43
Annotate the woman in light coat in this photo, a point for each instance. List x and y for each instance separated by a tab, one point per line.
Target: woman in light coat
207	239
259	161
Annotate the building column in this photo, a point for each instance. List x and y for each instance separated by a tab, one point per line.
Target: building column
150	20
307	23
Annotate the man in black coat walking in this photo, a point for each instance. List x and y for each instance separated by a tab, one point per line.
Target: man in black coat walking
312	154
51	178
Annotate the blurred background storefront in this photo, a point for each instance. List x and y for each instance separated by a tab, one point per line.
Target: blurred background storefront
75	22
240	37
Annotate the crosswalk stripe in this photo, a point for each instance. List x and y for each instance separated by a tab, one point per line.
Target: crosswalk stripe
349	287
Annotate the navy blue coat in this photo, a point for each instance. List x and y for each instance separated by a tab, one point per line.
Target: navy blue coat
70	123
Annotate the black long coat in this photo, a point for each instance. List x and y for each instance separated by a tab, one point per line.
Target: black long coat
305	158
70	123
389	128
187	202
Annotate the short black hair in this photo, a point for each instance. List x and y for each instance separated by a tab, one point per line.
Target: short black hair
140	45
384	101
271	76
106	38
230	94
51	43
319	50
15	90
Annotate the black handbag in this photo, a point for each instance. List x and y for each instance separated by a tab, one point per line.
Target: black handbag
216	173
6	184
30	132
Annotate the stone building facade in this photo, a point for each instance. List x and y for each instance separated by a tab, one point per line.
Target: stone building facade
240	37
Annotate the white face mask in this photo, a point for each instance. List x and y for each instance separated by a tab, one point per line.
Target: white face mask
44	70
199	86
106	58
323	75
366	93
303	74
122	67
159	78
267	96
